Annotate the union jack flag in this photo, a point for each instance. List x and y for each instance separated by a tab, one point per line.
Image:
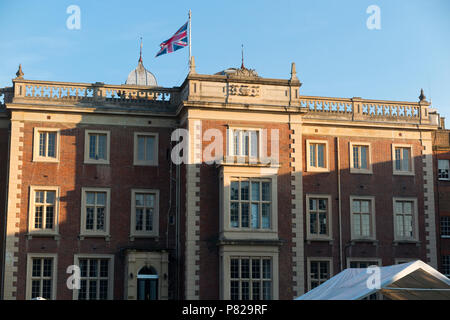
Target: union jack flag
178	41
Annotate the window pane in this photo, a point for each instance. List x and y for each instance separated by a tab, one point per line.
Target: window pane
266	215
256	269
236	135
355	157
267	270
102	146
321	155
254	143
51	144
92	146
407	207
255	215
149	148
149	200
38	216
90	198
356	206
100	218
234	290
139	199
42	144
39	197
149	219
313	223
246	143
93	267
322	204
245	215
364	162
36	270
323	223
365	206
255	191
141	148
267	290
139	219
104	264
357	224
405	159
398	159
50	197
245	268
312	155
47	270
101	198
89	218
234	214
234	268
365	225
256	290
234	190
49	216
266	191
245	292
244	190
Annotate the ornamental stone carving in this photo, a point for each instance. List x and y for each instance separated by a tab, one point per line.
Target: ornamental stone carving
243	90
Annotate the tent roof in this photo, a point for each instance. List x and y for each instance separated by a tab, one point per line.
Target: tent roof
412	280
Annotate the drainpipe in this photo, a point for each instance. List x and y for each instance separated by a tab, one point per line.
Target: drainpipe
339	202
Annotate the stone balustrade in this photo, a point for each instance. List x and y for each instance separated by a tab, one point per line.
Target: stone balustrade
364	109
99	93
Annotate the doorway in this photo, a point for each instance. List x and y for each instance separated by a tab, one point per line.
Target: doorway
147	284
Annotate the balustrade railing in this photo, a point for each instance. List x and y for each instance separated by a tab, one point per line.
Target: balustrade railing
362	109
55	92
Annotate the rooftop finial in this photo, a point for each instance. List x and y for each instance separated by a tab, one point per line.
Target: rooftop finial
242	49
422	97
140	53
293	72
19	72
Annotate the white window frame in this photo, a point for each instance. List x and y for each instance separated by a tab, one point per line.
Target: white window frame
227	252
415	219
136	161
143	234
110	257
30	257
411	171
227	174
373	232
231	143
448	169
318	259
368	170
94	233
36	145
309	235
311	168
31	212
441	227
87	144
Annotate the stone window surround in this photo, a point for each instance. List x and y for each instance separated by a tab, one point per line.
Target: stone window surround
136	161
373	230
310	168
30	257
415	237
144	234
410	172
228	172
88	233
31	212
230	251
369	158
110	257
314	237
87	132
36	141
318	259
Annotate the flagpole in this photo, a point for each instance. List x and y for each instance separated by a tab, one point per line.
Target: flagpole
190	39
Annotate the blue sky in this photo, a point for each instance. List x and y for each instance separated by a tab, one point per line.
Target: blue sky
335	53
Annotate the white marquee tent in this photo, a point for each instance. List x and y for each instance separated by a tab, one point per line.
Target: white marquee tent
414	280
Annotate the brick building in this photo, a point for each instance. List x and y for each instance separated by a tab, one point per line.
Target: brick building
441	150
273	193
